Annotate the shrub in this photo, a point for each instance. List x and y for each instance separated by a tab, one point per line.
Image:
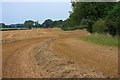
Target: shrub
99	26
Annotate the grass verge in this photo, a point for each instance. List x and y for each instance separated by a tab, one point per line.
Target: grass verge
101	39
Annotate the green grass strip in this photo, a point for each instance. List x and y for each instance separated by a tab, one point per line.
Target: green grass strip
101	39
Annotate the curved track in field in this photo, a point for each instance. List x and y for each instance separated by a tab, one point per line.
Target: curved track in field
45	53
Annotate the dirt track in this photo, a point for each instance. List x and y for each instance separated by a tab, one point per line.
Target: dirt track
44	53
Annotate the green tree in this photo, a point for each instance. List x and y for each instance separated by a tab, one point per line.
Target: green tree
113	20
29	24
58	23
89	11
48	23
2	25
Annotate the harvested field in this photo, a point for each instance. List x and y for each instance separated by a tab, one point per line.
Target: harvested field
54	53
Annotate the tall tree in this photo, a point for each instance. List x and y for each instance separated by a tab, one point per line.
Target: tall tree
2	25
28	24
91	11
113	20
48	23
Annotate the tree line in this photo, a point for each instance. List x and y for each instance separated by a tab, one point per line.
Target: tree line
95	17
28	24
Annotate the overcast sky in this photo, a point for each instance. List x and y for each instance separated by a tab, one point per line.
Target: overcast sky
18	12
35	0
